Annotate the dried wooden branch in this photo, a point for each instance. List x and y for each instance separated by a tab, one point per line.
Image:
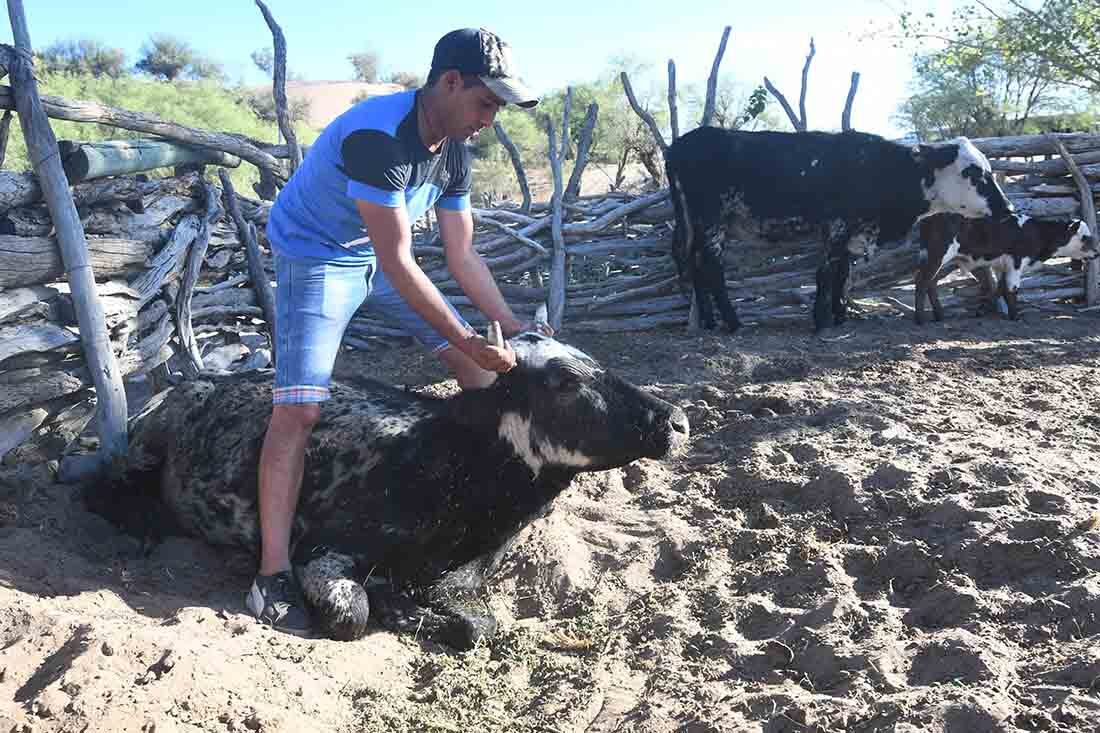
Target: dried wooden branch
1092	284
647	118
169	261
566	115
573	190
795	122
517	164
278	87
246	232
1018	146
79	111
805	80
42	150
556	301
195	257
5	129
673	114
712	80
846	116
514	234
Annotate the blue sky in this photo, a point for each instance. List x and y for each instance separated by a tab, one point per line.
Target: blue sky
554	44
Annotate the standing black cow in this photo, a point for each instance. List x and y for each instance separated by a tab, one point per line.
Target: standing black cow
860	189
408	501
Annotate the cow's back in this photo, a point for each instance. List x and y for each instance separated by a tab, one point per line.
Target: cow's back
814	175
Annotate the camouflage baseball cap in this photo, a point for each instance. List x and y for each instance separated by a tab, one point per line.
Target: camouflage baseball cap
481	52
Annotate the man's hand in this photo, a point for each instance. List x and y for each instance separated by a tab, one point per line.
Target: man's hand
487	356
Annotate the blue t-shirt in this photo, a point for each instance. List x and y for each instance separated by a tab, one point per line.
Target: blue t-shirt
371	152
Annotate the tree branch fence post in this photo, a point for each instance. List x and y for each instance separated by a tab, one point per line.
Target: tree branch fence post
1088	211
278	88
673	114
712	80
111	411
846	115
556	299
517	164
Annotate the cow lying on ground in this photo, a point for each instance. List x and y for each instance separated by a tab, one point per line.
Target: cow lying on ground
859	189
1008	247
408	502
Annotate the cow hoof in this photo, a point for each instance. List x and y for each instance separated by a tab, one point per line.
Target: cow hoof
466	629
342	611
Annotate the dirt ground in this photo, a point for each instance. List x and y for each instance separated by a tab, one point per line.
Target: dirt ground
891	530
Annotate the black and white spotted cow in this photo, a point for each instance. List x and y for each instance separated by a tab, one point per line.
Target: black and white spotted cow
408	501
859	189
1008	247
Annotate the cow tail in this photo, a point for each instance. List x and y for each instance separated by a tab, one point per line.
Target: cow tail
682	234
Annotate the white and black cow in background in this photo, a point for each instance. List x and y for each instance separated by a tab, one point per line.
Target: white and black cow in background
860	189
1007	246
408	501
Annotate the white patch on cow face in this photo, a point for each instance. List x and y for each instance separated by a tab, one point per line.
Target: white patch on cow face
953	192
1081	245
516	431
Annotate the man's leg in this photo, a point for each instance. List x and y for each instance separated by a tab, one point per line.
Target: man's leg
281	464
465	369
385	300
314	301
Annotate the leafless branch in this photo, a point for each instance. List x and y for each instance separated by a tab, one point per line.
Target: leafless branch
712	80
846	116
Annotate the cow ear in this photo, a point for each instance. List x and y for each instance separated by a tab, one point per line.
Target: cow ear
475	408
934	157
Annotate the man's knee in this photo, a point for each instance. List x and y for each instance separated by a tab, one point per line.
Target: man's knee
296	417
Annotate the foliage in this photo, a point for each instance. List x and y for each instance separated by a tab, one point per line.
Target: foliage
994	69
199	104
84	56
407	79
169	58
735	106
262	103
264	58
365	64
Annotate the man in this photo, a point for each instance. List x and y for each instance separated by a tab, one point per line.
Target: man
341	234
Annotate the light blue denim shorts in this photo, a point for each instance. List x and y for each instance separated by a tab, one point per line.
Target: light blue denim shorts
314	302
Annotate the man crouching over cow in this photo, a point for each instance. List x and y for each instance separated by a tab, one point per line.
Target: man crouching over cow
1008	247
341	234
408	501
860	190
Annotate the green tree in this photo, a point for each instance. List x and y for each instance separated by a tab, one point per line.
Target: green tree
169	58
407	79
264	58
982	87
365	64
84	56
1060	39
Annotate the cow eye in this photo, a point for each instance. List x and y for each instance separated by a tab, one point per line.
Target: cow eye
563	380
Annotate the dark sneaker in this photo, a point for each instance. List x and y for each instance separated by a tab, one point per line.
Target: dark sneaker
277	601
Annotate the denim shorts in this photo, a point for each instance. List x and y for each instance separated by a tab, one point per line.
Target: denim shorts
314	302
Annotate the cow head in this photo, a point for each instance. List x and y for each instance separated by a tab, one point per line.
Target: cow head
1077	242
958	179
558	408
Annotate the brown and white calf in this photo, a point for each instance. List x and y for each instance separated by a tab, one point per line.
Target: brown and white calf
1008	246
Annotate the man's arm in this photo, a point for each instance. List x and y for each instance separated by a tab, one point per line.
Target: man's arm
456	227
391	237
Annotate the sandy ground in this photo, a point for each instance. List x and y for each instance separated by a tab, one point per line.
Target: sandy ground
894	530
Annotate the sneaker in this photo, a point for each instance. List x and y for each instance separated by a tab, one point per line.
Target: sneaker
277	601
